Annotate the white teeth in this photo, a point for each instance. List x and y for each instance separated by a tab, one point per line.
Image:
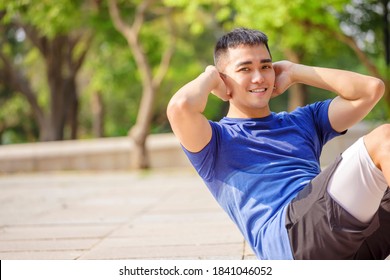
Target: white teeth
257	90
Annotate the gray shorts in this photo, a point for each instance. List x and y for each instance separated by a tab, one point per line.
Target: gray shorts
319	228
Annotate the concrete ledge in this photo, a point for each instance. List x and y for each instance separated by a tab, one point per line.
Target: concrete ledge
94	154
114	153
339	144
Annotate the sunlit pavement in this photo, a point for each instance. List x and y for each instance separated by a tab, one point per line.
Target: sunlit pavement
164	214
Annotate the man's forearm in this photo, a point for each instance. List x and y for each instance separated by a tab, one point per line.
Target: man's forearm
346	84
194	95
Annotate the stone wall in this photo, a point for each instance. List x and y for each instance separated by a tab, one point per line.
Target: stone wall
114	153
94	154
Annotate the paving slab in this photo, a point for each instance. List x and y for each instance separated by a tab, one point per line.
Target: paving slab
41	255
194	252
164	214
38	232
48	245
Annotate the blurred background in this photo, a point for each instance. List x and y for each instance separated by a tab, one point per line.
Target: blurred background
74	71
84	86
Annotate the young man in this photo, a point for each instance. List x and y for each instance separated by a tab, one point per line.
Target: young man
263	167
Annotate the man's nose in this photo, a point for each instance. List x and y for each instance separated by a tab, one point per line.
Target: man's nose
257	77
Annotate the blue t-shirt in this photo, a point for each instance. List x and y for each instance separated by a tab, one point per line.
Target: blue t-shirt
255	167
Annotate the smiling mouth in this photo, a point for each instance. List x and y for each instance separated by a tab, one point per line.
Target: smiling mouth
258	90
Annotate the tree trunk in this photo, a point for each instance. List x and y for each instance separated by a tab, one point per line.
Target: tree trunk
62	67
140	156
140	131
72	107
296	97
150	82
97	109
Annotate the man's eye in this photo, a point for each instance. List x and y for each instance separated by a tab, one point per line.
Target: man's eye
245	69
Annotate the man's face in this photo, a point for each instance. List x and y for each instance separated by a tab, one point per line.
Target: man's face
250	79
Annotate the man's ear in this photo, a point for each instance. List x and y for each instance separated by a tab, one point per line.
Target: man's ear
228	91
225	78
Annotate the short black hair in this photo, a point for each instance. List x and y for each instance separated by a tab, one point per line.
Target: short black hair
239	37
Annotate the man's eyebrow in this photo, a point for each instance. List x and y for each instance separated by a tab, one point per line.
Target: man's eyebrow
266	60
243	63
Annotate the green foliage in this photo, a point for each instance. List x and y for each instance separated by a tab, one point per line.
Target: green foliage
110	70
15	119
50	17
308	28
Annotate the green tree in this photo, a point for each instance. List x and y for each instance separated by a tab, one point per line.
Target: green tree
109	80
50	32
146	13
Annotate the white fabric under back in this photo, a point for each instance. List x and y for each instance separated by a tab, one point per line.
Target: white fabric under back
357	184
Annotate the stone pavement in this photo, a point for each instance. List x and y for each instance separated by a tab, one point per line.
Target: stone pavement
164	214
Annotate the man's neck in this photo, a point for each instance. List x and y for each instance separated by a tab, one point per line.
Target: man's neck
239	114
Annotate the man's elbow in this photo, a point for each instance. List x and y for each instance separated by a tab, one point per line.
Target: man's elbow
377	89
171	108
176	108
